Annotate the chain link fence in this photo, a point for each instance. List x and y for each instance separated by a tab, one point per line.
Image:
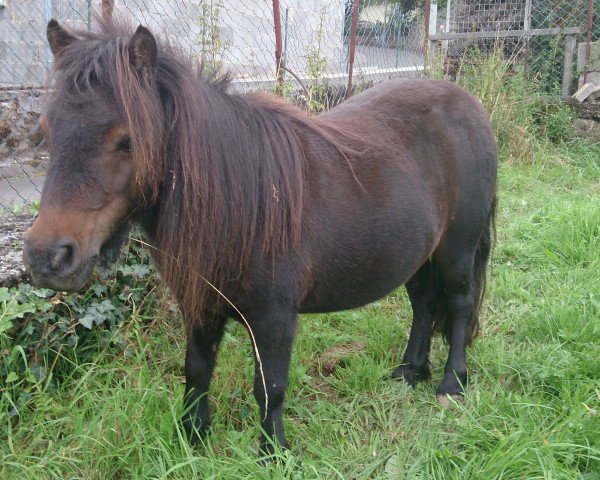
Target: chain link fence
553	39
230	35
313	46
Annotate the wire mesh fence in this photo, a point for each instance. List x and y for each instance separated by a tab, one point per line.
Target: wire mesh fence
551	38
319	44
233	35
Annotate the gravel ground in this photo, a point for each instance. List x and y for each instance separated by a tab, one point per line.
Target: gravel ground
12	228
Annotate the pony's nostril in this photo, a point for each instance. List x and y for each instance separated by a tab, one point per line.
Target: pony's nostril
63	257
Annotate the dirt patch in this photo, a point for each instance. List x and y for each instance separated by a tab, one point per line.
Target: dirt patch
338	356
12	229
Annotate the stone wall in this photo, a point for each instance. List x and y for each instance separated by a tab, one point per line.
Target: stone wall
587	123
19	128
12	229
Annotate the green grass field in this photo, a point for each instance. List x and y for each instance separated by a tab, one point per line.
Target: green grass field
531	410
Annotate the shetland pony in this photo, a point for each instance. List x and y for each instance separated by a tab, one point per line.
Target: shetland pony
256	211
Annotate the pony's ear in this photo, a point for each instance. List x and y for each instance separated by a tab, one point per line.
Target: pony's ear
143	54
58	37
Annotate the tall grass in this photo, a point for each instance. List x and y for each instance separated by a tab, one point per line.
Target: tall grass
522	115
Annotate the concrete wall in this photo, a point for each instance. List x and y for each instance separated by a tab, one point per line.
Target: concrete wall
594	64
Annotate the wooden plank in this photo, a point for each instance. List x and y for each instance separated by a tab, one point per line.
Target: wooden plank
508	33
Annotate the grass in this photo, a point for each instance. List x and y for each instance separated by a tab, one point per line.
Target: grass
531	410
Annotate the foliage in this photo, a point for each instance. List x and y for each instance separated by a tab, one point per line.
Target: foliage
546	58
554	121
209	39
316	67
520	111
42	331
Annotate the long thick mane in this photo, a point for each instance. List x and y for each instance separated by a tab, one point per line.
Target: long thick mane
222	175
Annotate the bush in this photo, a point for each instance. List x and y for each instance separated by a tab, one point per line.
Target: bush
515	99
43	332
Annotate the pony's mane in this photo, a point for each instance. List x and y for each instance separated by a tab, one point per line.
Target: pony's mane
223	174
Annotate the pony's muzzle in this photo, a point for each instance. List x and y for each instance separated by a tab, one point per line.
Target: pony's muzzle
55	264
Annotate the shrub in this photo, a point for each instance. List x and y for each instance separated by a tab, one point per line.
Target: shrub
43	332
520	112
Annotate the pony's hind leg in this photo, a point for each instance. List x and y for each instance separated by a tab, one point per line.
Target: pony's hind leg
462	271
425	295
201	351
460	307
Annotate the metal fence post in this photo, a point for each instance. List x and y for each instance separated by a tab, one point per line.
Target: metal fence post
278	47
48	14
427	21
107	8
89	15
353	33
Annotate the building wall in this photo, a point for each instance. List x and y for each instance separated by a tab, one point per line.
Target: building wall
24	52
246	31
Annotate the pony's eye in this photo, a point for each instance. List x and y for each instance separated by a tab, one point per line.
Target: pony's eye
124	144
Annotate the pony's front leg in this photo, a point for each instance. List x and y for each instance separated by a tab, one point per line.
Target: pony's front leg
273	335
201	351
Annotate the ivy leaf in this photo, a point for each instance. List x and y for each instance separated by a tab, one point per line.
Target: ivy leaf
99	289
135	271
12	310
4	295
42	292
96	313
5	324
87	321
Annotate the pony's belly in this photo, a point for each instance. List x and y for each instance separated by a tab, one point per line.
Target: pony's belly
345	288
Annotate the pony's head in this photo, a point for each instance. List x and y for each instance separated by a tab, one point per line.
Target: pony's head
97	142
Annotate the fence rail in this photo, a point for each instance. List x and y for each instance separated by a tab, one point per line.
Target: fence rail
507	33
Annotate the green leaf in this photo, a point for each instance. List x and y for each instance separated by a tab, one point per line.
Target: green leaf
136	271
551	255
87	321
13	310
99	289
5	324
96	313
12	377
5	296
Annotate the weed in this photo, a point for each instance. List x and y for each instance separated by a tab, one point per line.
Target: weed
209	39
316	66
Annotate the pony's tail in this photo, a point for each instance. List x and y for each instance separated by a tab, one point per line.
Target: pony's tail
442	323
482	255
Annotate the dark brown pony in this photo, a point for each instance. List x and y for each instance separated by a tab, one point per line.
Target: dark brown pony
283	213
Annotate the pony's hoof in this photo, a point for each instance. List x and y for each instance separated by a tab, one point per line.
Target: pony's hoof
195	432
411	375
446	400
269	451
